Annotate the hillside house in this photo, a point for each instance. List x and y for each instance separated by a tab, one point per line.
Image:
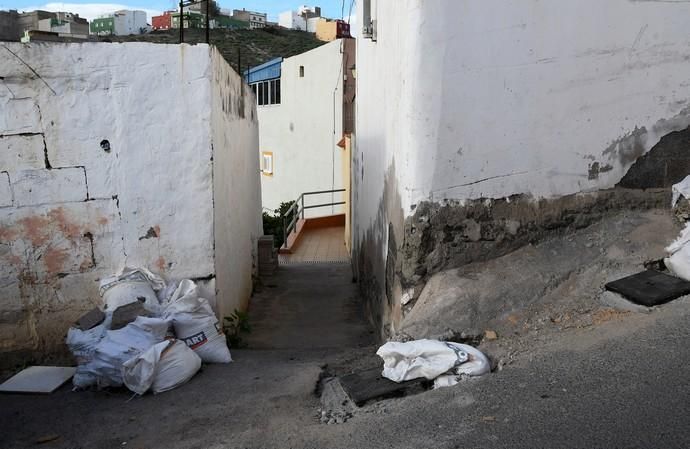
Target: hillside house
305	106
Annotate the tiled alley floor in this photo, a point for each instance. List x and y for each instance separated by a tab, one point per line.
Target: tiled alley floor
319	245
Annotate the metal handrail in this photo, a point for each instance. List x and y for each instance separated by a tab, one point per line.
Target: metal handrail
297	210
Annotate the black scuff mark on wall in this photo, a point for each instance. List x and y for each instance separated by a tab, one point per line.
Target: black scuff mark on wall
150	234
595	168
629	147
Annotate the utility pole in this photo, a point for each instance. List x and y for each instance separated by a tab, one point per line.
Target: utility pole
180	22
208	21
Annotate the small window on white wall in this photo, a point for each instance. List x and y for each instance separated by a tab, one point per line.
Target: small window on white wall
267	163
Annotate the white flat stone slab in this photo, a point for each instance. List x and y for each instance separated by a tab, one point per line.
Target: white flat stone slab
38	379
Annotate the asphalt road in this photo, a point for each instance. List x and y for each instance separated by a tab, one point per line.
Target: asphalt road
621	384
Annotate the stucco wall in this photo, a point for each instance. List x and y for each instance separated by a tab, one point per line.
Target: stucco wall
464	100
303	131
72	211
237	194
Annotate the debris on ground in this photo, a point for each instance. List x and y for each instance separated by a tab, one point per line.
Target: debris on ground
446	363
127	313
678	260
369	384
38	379
90	319
164	366
682	189
196	324
336	405
490	335
153	335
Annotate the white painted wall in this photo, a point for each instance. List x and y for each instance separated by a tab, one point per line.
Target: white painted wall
71	213
237	195
302	132
492	99
312	23
468	99
292	20
129	22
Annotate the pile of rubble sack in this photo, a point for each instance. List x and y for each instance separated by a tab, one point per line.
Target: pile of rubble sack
150	335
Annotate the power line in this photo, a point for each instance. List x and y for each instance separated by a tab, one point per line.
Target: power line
349	15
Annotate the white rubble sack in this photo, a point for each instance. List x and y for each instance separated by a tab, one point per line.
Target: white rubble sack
131	285
430	359
680	189
103	366
196	324
82	344
164	366
678	261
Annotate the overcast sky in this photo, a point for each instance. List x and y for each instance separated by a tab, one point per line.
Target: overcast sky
91	9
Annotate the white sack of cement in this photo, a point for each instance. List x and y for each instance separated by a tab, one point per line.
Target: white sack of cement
164	366
131	285
82	345
678	260
430	359
103	368
196	324
681	189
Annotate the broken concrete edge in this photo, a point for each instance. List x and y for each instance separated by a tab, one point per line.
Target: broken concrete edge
442	236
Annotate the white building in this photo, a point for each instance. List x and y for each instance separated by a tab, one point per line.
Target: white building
255	19
485	117
305	18
147	160
292	20
305	107
129	22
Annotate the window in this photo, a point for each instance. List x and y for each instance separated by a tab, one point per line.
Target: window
267	92
301	71
267	163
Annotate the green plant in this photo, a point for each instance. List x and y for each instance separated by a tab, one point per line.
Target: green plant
273	223
235	326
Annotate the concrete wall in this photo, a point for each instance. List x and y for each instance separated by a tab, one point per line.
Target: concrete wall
73	209
292	20
470	100
129	22
303	131
237	195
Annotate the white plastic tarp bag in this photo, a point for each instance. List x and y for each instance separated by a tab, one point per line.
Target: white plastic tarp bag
165	366
82	344
430	359
678	261
196	324
680	189
131	285
116	347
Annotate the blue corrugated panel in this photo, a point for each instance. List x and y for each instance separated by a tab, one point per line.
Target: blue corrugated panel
266	71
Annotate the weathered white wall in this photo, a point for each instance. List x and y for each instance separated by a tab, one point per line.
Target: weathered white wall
467	99
129	22
237	194
292	20
71	212
303	131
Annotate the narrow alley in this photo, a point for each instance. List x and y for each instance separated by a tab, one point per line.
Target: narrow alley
399	224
